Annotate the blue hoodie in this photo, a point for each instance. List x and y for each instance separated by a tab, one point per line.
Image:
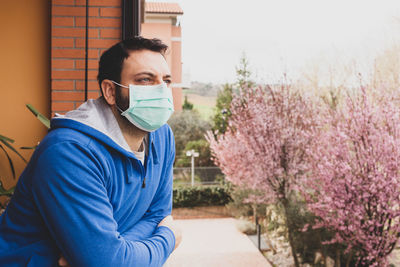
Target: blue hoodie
86	196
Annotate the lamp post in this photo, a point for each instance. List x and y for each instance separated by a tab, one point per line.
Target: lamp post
193	154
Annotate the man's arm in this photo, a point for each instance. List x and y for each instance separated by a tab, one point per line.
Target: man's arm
70	195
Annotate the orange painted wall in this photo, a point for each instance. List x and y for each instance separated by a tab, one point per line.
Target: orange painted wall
24	74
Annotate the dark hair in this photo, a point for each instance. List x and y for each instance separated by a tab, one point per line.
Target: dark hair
110	64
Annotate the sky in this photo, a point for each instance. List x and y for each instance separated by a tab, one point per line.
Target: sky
282	36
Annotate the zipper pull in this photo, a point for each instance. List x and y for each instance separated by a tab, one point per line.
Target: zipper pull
144	182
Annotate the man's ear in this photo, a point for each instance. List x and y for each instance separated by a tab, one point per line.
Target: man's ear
108	89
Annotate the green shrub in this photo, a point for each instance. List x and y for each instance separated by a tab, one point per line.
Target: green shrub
187	125
201	196
204	159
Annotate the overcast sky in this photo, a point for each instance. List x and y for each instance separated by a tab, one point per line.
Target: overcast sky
282	35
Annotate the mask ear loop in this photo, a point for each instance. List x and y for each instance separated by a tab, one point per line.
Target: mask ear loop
120	110
119	84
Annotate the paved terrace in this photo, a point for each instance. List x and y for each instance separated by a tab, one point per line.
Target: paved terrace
214	243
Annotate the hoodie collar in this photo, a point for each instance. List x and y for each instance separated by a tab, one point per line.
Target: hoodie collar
96	114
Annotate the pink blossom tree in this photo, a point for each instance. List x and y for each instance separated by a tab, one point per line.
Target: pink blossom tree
265	144
354	188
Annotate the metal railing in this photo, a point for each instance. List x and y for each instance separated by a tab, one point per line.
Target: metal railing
202	176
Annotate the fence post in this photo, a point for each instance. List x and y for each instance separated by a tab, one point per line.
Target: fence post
259	237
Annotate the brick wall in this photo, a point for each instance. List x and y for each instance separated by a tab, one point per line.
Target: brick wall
68	48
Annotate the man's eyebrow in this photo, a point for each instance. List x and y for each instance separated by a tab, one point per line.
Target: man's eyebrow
152	74
145	72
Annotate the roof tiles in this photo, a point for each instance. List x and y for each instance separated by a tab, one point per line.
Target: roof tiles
165	8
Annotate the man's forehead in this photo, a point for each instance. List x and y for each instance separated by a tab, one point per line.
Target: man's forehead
146	60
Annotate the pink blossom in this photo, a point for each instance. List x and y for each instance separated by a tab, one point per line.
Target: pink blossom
265	146
355	176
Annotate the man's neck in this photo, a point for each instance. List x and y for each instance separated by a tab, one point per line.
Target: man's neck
133	135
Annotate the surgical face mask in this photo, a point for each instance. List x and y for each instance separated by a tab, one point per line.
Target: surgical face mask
150	106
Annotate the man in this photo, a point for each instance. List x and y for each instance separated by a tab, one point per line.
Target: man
98	189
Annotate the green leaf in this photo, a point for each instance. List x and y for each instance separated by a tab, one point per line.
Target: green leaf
45	121
28	147
9	161
4	192
2	137
13	149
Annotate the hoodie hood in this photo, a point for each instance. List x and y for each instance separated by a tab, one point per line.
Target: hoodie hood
96	114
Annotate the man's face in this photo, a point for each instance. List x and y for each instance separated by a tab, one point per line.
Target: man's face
143	67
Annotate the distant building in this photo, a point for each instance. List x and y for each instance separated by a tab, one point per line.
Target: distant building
161	20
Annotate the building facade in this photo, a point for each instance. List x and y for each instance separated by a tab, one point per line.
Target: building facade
161	20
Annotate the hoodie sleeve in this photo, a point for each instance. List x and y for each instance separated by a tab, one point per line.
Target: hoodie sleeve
69	191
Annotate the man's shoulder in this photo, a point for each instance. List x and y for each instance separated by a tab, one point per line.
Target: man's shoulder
164	135
165	132
69	141
66	135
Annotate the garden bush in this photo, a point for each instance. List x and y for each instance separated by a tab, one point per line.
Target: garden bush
184	196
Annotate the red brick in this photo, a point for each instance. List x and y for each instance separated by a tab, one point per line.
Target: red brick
68	11
94	33
67	53
68	74
94	11
98	22
93	95
92	64
96	43
62	42
92	85
93	53
62	64
62	21
110	12
115	3
63	2
80	42
110	33
67	96
67	32
79	53
80	2
62	106
62	85
92	74
78	103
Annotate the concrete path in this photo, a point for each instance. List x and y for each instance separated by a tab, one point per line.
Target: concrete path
214	243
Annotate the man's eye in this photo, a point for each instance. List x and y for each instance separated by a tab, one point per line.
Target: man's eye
144	80
168	81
